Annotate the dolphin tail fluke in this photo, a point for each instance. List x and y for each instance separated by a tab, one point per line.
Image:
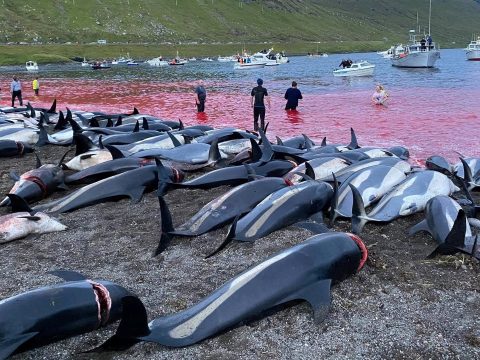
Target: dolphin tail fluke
133	325
359	215
228	239
353	140
455	240
10	344
166	227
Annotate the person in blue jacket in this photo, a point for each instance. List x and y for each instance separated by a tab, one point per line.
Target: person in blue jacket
292	95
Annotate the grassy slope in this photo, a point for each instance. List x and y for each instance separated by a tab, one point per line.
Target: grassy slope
338	25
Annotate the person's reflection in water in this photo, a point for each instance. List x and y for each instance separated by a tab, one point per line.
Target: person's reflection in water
294	116
202	118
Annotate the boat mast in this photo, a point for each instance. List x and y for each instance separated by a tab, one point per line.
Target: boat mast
429	17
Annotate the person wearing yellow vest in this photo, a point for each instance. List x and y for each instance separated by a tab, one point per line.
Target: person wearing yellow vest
36	86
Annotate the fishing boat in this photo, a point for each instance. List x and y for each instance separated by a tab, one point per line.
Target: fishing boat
473	50
85	62
248	62
360	68
158	61
417	54
31	66
100	65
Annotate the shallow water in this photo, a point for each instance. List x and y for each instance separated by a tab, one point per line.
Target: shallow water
430	111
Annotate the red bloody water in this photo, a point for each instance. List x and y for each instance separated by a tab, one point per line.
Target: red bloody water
439	122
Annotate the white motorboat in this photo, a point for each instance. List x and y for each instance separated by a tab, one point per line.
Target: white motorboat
31	66
193	58
361	68
473	50
85	62
158	61
132	63
207	59
416	54
247	62
269	58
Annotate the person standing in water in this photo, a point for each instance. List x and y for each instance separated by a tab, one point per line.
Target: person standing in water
16	90
36	86
380	96
200	98
257	102
292	95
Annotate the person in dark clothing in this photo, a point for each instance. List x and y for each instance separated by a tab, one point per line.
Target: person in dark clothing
200	98
257	101
292	95
16	90
422	44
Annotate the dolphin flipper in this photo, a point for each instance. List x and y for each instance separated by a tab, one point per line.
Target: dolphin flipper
228	239
136	194
68	275
318	295
19	204
9	345
421	226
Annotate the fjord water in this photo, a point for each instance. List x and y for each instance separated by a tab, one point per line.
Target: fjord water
430	111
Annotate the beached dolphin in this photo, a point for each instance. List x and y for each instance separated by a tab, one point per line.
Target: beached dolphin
48	314
371	182
303	272
473	164
408	197
9	148
37	183
24	221
440	215
86	154
322	167
221	210
130	184
439	163
280	209
24	135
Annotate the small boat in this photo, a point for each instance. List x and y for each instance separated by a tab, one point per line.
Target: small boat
31	66
192	59
269	58
473	50
132	63
100	65
85	62
207	59
361	68
177	60
158	61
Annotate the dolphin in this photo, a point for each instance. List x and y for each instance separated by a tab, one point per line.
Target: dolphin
371	182
322	167
439	163
9	148
24	135
303	272
131	184
24	221
48	314
472	163
440	214
37	183
221	210
408	197
86	154
280	209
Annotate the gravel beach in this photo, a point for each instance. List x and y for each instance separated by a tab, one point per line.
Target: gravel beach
399	306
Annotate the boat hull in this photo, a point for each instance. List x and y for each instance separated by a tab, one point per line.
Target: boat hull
473	55
423	59
347	72
246	66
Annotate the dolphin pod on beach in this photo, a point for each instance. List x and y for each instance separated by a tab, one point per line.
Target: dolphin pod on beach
47	314
303	272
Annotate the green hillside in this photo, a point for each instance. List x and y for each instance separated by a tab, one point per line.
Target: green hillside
211	27
208	21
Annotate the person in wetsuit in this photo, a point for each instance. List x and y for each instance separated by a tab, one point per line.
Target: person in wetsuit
257	102
292	95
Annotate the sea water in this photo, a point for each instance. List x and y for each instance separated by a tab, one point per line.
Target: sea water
430	111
